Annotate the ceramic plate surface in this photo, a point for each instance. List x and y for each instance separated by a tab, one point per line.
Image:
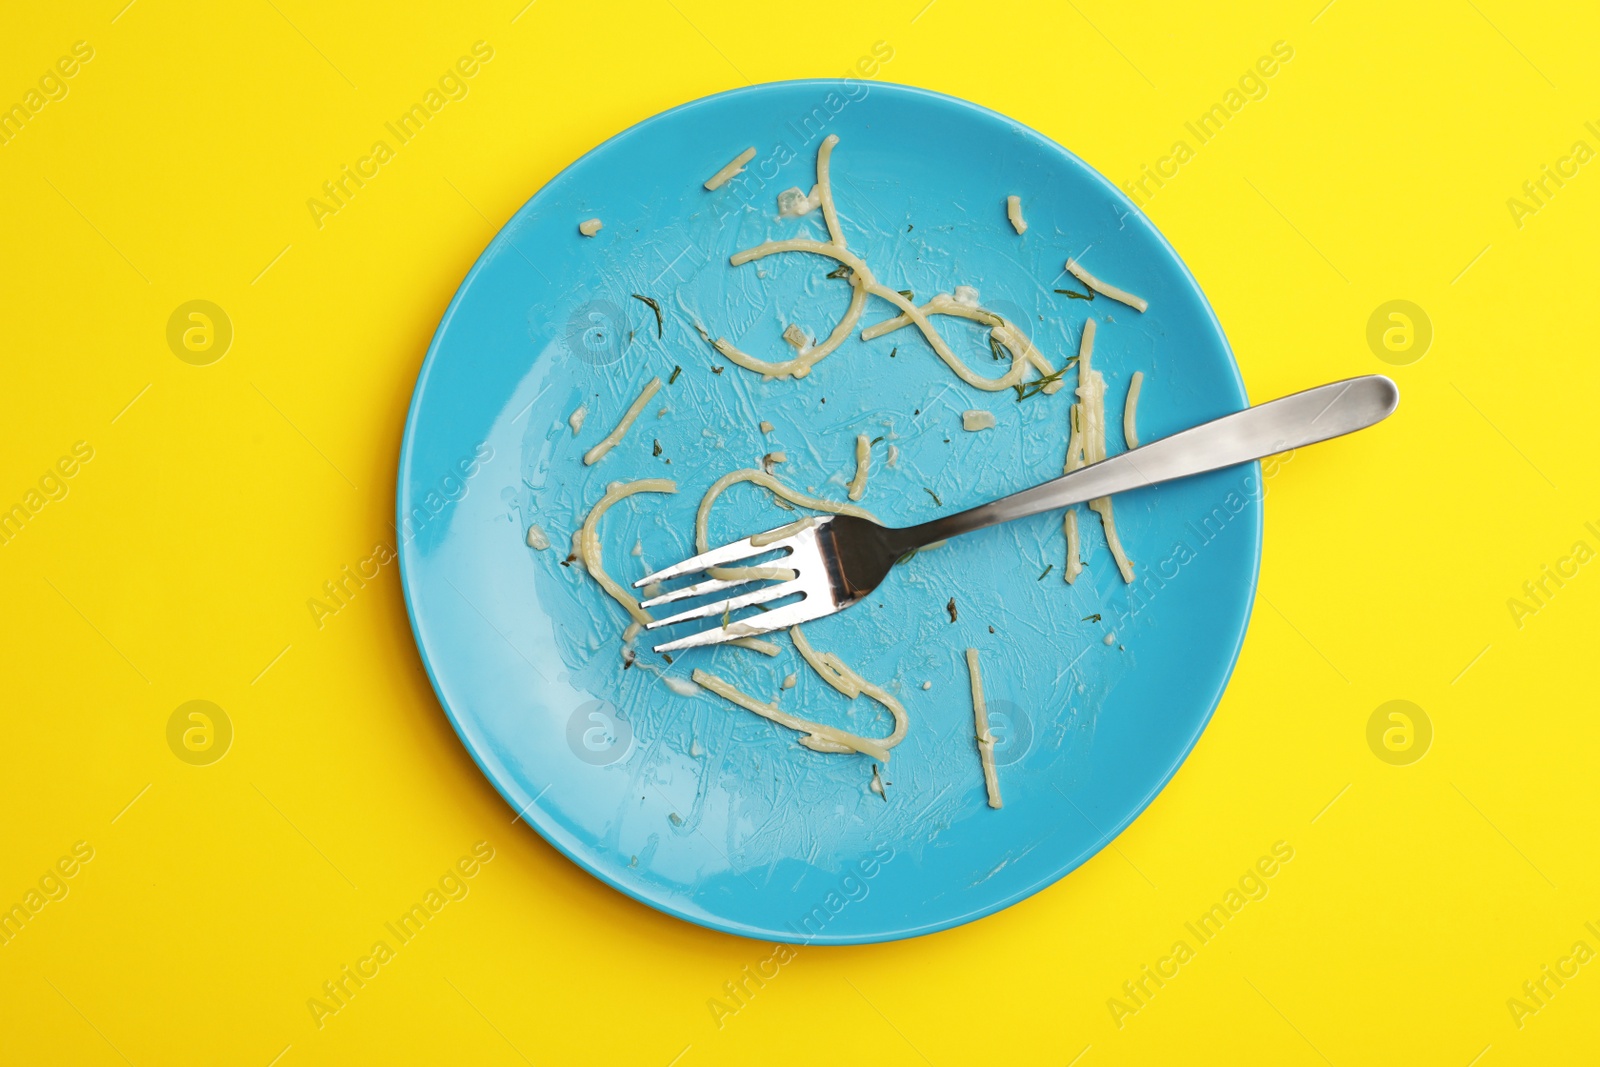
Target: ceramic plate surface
1097	690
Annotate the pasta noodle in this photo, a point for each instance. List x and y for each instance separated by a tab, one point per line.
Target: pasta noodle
858	484
735	166
1091	433
776	488
1130	427
1136	302
755	644
980	719
586	544
1014	213
808	356
761	540
818	737
833	671
863	283
1023	353
1069	527
610	440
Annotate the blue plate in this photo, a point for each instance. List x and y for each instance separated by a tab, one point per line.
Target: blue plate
1097	690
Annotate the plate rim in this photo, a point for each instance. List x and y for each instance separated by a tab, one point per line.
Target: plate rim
533	815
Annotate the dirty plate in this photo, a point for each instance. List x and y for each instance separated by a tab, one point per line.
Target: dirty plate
1096	690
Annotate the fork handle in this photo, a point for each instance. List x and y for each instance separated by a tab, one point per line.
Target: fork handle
1279	425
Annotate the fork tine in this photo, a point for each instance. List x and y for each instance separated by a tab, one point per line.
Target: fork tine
719	607
776	619
713	586
736	550
728	553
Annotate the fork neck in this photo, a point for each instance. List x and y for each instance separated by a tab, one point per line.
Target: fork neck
945	527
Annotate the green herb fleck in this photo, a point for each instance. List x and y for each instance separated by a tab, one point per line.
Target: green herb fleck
1074	294
935	496
906	557
1035	387
657	449
951	608
995	347
906	293
1044	572
716	370
874	441
1091	618
893	350
674	376
841	271
653	306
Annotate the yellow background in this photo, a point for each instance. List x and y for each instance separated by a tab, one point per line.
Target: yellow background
178	566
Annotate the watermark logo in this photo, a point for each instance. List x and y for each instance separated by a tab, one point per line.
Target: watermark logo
199	733
52	886
1252	85
1399	332
1399	733
1252	886
453	886
598	734
597	333
199	332
1012	729
51	86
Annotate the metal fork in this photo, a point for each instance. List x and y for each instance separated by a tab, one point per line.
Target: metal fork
838	559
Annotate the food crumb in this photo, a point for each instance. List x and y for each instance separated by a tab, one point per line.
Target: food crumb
590	227
926	686
575	420
1111	638
766	427
789	682
1014	214
976	420
537	538
675	818
951	608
